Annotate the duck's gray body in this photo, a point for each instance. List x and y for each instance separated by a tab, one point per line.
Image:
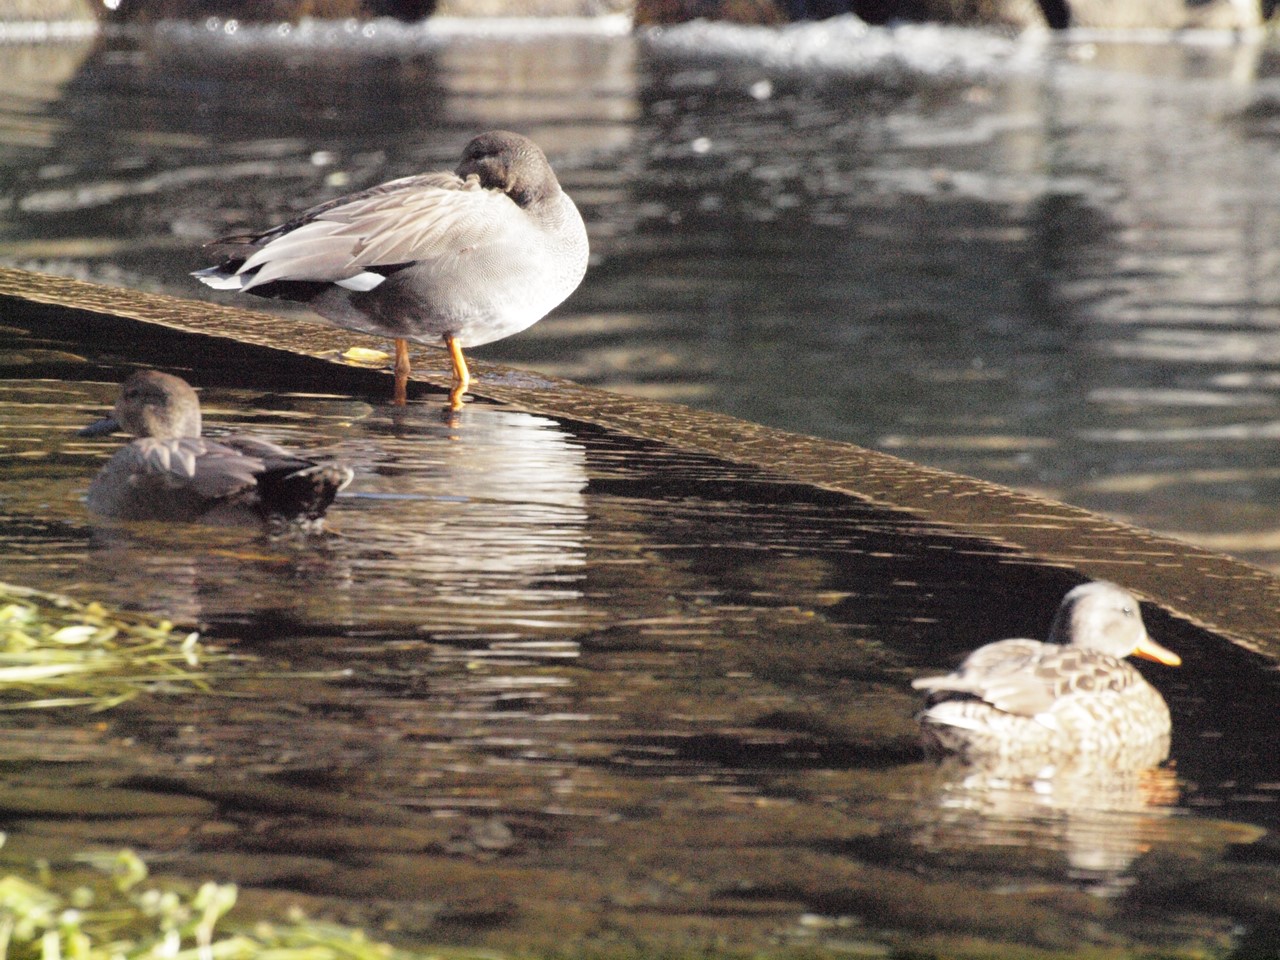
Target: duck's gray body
172	473
470	256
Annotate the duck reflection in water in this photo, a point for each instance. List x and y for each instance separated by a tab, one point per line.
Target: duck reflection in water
1083	829
170	472
466	257
470	531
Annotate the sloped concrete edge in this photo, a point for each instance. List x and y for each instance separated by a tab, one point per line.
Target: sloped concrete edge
1214	591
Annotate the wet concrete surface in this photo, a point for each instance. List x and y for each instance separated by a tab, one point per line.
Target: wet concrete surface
572	668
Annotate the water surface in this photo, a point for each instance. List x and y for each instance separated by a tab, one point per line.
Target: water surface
1047	263
542	684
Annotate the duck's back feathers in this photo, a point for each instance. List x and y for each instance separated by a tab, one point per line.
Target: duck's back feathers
405	221
172	479
1027	677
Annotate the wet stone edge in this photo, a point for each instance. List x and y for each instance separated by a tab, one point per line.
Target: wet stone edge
1211	590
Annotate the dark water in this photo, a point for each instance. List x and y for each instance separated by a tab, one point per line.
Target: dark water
1046	263
543	685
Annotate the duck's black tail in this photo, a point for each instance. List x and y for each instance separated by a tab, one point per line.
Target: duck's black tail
291	495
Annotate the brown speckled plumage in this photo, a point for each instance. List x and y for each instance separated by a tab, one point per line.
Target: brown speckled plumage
1071	698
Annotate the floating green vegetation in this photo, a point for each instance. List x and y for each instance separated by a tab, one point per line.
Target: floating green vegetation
59	652
113	912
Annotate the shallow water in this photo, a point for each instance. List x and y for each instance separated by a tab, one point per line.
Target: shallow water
1048	263
542	684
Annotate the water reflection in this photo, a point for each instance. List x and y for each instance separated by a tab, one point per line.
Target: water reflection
1098	821
546	684
450	530
490	506
539	670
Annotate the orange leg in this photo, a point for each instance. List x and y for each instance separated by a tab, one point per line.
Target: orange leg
401	393
461	375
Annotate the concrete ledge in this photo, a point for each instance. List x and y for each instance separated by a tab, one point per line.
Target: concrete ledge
1227	596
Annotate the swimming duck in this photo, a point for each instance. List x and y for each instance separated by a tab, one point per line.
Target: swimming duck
1073	696
466	257
172	473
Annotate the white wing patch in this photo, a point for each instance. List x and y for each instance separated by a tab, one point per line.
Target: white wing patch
362	282
216	278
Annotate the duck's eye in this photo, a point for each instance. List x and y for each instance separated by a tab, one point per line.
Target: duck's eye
1127	611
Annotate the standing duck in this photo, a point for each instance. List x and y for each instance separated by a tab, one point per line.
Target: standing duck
170	472
1073	699
466	257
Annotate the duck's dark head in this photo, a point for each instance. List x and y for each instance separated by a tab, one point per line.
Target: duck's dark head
152	404
511	163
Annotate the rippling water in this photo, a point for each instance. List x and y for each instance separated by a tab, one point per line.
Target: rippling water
543	684
1046	262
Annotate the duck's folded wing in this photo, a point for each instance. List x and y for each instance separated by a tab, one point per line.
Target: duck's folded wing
209	470
275	460
1008	674
1026	695
263	450
994	660
408	221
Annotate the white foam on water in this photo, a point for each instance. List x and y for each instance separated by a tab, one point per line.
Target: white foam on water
606	25
384	35
849	46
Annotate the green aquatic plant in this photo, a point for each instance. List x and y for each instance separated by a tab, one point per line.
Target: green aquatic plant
60	652
114	911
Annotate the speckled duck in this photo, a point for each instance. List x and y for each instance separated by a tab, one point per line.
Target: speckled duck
1069	700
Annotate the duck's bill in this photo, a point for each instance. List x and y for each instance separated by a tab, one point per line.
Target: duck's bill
1148	649
100	428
